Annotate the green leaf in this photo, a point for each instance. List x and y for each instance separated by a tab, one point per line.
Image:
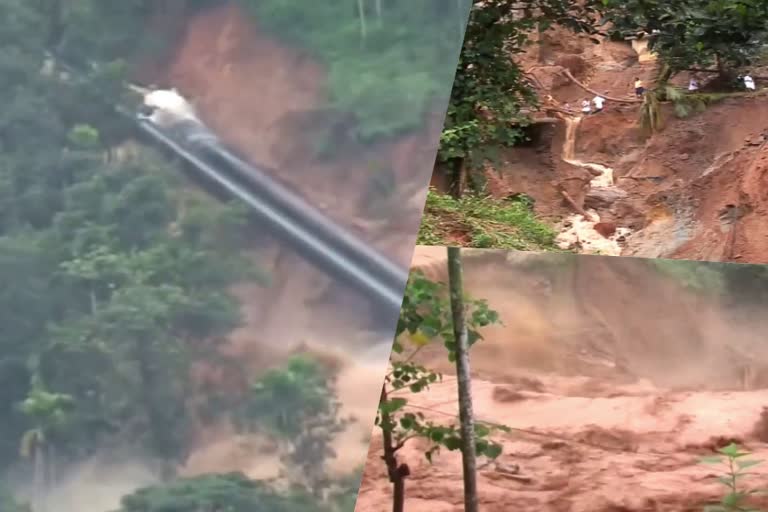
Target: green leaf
744	464
732	500
436	436
452	443
732	451
492	450
392	405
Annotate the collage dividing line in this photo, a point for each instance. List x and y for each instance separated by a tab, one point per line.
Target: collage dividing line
383	255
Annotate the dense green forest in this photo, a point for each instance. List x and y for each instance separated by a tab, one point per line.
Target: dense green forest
388	62
112	275
116	275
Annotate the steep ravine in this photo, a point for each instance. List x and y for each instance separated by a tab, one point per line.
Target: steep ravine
580	232
694	190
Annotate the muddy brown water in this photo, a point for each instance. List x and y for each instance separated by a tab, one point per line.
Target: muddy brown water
614	379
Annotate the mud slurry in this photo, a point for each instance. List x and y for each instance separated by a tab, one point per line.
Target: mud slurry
583	446
689	192
609	412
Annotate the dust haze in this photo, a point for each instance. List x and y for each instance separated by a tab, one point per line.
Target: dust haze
563	314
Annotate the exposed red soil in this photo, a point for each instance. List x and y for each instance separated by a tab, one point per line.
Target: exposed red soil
696	190
264	99
688	175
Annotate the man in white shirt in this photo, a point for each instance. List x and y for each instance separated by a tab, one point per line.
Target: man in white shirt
599	101
749	82
586	107
693	85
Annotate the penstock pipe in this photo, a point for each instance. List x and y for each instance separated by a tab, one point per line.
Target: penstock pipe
386	293
336	252
302	212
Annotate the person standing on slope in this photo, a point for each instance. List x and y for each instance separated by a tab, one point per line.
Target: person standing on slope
639	88
586	107
693	85
599	101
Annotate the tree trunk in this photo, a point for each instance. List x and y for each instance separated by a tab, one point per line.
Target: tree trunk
468	455
396	472
540	47
40	484
56	25
458	178
722	72
664	76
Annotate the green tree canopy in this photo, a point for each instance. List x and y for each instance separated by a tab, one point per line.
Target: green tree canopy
216	493
696	33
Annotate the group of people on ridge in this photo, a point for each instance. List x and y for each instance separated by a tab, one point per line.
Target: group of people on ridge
747	81
586	105
693	86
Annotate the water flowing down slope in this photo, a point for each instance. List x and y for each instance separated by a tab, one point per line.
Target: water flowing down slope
579	230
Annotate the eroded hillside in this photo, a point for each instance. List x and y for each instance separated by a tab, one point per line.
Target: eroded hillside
694	190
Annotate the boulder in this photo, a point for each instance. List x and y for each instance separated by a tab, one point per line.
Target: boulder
606	229
603	197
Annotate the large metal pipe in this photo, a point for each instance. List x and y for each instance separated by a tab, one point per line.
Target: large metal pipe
386	293
299	209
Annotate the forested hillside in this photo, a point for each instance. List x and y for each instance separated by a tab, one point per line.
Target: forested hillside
116	271
112	274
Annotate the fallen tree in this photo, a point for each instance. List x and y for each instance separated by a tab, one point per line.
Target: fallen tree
573	79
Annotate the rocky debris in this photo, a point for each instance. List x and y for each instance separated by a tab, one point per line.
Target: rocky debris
613	66
594	172
606	229
603	197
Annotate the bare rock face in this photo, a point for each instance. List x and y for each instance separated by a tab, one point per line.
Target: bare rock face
603	197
